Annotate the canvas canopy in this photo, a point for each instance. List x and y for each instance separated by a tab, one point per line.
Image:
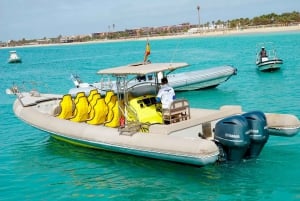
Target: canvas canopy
142	69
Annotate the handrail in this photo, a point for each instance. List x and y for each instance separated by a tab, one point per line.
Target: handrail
179	110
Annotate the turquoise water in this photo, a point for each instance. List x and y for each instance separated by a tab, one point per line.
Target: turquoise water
37	167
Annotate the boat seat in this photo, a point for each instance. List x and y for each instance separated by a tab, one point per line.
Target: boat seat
78	95
81	110
113	116
179	110
108	96
98	113
92	93
94	99
92	102
66	107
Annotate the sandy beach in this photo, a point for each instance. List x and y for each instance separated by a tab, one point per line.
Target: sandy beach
234	32
210	33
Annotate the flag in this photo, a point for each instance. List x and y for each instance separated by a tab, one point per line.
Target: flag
147	51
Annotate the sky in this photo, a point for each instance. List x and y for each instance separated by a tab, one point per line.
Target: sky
36	19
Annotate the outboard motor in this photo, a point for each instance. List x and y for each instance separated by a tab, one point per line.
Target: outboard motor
258	133
231	135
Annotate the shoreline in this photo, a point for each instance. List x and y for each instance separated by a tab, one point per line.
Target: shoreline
210	33
231	32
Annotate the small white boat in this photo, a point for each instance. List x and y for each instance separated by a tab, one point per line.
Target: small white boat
267	61
133	123
14	58
185	81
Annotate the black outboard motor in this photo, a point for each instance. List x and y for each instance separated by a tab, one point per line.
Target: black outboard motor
231	135
258	133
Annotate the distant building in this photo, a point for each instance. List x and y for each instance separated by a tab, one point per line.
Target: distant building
67	40
3	44
193	30
43	41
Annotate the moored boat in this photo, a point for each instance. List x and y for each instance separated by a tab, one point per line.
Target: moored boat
14	58
133	123
184	81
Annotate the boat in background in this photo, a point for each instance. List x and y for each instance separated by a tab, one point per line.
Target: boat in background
13	57
131	121
266	58
184	81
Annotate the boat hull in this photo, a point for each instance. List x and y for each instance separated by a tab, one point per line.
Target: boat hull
270	65
11	61
201	79
282	131
283	124
190	141
187	150
185	159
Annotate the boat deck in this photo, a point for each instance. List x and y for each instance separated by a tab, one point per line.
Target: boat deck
199	117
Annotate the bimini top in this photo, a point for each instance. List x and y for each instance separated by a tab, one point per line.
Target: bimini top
142	68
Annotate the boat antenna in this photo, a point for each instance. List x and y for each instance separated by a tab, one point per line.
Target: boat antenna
175	50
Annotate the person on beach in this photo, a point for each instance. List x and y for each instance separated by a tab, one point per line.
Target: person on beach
166	94
263	53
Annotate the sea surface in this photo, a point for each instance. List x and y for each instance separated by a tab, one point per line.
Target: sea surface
36	167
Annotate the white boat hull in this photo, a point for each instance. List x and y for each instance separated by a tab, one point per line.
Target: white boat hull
201	79
269	65
186	81
18	60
